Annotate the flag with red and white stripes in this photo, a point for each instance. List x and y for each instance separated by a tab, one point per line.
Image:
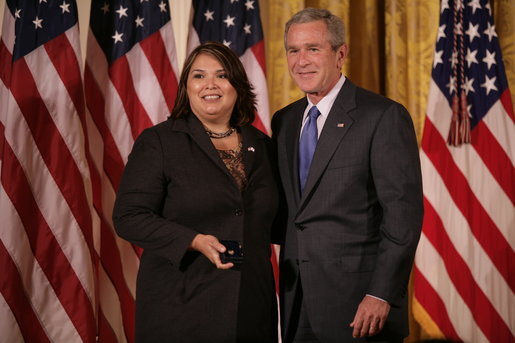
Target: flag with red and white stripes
237	25
47	255
130	83
464	278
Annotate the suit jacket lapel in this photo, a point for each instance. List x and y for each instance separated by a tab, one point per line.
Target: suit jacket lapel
193	127
336	126
292	144
249	150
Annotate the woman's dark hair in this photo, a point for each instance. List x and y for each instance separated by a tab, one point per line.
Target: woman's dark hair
243	112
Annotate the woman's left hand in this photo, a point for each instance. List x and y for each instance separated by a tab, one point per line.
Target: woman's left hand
210	247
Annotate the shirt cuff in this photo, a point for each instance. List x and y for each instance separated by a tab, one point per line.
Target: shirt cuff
368	295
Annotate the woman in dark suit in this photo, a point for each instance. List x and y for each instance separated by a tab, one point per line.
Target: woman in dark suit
202	177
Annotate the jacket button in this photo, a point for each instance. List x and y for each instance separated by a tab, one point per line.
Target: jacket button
238	212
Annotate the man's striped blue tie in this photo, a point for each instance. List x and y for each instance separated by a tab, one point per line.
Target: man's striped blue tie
307	144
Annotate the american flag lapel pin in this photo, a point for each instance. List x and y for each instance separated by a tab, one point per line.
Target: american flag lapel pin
340	125
251	148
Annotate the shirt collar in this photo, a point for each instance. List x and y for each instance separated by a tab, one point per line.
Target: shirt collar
326	103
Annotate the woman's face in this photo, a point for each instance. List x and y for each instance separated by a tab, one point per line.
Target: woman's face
211	95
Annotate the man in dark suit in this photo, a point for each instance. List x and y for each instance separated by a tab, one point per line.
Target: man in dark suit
350	170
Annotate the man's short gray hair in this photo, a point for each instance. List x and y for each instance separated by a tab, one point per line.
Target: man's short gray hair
334	24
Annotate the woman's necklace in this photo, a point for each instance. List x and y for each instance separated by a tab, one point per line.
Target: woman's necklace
217	135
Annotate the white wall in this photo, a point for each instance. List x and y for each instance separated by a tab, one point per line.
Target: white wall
180	18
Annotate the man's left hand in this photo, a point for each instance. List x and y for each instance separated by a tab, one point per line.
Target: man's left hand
370	317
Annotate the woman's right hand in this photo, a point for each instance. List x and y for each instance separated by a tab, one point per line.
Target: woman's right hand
210	247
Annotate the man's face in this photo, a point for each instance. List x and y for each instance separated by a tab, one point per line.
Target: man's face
313	64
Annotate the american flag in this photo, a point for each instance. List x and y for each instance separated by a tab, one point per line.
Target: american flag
47	257
236	23
130	83
464	276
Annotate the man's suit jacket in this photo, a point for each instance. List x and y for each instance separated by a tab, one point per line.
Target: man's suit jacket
355	228
175	186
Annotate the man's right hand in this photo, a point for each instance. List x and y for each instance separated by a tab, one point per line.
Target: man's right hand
370	317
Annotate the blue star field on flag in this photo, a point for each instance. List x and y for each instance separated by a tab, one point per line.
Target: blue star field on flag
234	23
120	24
484	77
39	21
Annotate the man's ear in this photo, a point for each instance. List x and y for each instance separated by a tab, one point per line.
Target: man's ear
341	54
